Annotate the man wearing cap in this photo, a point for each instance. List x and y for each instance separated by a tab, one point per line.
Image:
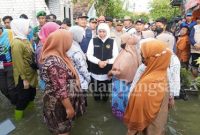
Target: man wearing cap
128	25
101	19
51	18
118	32
109	21
7	85
163	34
195	47
41	17
189	23
66	24
82	21
93	26
139	26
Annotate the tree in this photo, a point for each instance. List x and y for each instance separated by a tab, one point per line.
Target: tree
143	16
163	8
111	8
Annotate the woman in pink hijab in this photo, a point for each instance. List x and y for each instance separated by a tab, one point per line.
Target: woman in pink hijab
122	74
45	31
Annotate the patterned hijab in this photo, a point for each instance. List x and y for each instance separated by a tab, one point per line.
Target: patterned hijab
146	99
57	44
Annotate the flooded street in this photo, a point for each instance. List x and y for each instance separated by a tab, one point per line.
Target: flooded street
99	120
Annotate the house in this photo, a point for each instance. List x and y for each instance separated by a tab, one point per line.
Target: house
61	8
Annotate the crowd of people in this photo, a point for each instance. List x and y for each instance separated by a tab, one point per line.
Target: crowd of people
135	63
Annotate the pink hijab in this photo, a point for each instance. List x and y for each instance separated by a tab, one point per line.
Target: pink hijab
128	60
46	30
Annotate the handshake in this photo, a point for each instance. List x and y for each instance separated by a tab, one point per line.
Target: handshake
103	64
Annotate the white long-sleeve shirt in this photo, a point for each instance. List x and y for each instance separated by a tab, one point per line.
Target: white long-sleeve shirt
95	60
173	74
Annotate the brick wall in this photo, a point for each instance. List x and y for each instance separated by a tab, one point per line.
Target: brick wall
17	7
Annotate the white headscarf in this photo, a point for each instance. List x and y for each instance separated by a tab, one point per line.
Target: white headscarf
78	33
20	28
104	26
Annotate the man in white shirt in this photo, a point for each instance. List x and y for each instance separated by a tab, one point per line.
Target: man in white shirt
128	25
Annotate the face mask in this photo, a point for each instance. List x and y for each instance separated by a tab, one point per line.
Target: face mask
123	46
143	61
159	30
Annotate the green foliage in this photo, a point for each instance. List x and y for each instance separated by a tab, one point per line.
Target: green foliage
198	60
163	8
111	8
197	82
186	78
114	9
143	16
90	2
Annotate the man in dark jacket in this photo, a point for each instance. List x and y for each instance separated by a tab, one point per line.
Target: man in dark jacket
82	21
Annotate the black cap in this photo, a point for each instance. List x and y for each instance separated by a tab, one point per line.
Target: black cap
93	20
23	16
108	18
82	15
140	21
162	20
67	21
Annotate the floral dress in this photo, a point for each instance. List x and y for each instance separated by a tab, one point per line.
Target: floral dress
60	84
120	91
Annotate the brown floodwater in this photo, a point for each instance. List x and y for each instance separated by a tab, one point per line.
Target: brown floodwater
98	120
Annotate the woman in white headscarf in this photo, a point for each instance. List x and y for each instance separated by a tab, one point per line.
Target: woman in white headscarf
101	54
25	74
79	58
